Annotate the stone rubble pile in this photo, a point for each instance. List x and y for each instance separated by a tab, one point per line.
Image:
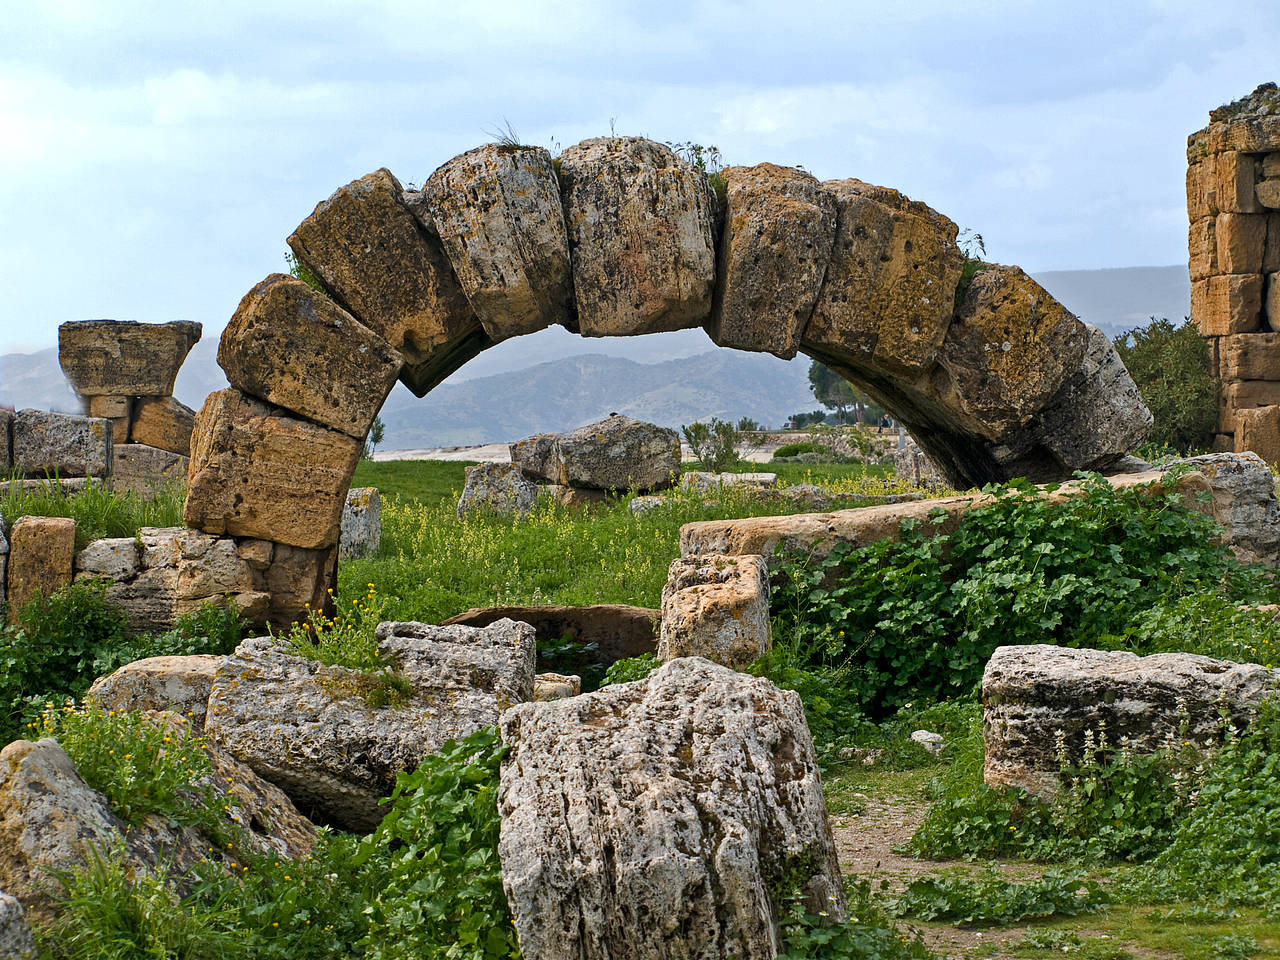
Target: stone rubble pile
1233	205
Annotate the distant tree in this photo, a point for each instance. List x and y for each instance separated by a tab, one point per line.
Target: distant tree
1171	367
376	433
798	420
836	393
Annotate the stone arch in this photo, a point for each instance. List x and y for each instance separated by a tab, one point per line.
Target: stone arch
619	236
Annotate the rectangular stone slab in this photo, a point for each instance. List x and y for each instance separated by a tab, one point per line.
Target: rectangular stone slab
257	472
123	358
42	553
164	423
1249	356
61	443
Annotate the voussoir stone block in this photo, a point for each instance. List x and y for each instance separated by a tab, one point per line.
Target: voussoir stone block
42	552
682	797
46	443
367	248
1039	698
716	607
1008	350
890	287
294	347
639	224
163	423
618	453
778	231
498	213
123	358
256	472
309	729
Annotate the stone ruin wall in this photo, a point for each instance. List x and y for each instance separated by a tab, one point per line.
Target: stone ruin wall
1233	205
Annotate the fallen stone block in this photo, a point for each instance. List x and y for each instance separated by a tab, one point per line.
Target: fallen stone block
702	481
42	552
639	226
163	423
61	443
556	686
146	470
257	472
537	457
123	358
313	730
1040	700
608	631
618	453
500	487
716	607
683	798
779	227
497	211
16	941
180	685
367	248
361	524
295	348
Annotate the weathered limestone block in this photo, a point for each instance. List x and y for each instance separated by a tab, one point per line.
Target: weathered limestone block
309	728
778	232
256	472
293	347
1271	253
146	470
618	453
704	482
1268	193
297	578
164	423
1271	306
1258	430
1240	488
180	685
4	559
574	498
366	246
1269	166
607	631
116	558
42	552
1009	349
49	817
1201	190
717	607
1243	394
1241	238
890	287
556	686
537	457
1249	356
1202	248
1227	304
1036	696
361	524
681	797
500	487
913	465
498	213
16	941
122	358
1090	423
639	224
1237	177
6	441
116	409
61	443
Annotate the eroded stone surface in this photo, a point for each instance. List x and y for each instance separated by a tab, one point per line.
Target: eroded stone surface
295	348
498	213
778	232
16	941
639	226
537	457
500	487
611	631
310	728
618	453
1037	696
556	686
717	607
680	797
256	472
145	470
180	685
163	423
123	358
361	523
367	248
42	554
47	443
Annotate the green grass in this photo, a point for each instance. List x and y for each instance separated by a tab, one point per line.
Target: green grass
97	510
426	481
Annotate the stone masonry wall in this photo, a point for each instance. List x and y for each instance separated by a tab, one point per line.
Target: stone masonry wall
1233	205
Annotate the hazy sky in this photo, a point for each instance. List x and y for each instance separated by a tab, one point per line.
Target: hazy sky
154	156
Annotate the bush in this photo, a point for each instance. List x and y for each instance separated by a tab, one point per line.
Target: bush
1171	367
991	899
795	449
919	616
714	444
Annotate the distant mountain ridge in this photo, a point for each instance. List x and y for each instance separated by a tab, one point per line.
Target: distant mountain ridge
555	380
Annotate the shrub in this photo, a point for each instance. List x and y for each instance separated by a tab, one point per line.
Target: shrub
795	449
991	899
920	615
1171	367
714	444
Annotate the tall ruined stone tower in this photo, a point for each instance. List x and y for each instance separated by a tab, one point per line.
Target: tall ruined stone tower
1233	204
